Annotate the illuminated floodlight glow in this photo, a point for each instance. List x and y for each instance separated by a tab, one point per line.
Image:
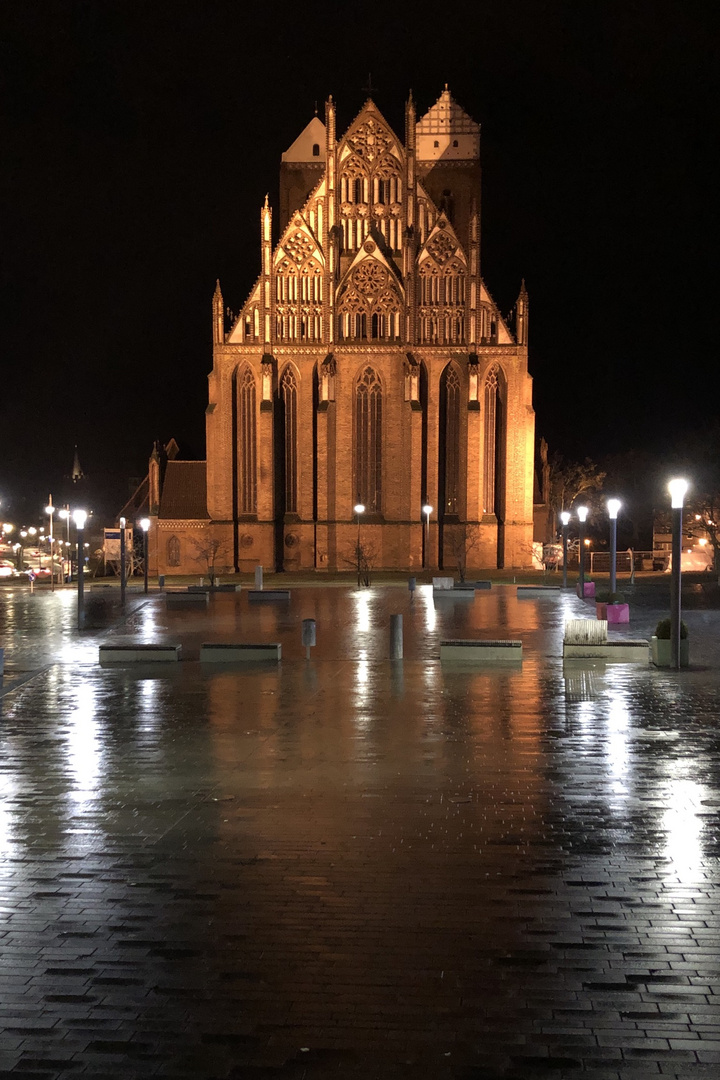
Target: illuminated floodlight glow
565	517
32	531
677	489
613	505
359	508
144	524
79	517
50	509
427	509
64	513
582	513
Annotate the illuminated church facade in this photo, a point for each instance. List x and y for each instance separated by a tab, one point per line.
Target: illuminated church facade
369	366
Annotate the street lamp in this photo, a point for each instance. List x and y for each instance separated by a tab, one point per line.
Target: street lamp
677	489
80	517
359	509
582	513
145	525
50	510
613	505
122	562
427	511
65	515
565	519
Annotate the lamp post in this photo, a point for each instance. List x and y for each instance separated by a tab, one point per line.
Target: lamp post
359	509
427	511
582	513
50	510
677	489
565	519
122	562
145	525
80	517
613	505
64	514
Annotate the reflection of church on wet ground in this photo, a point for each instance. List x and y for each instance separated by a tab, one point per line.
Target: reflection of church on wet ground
369	365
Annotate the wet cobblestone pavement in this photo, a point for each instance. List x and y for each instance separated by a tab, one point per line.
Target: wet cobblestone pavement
354	867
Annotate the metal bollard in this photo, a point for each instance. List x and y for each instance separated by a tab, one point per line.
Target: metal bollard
411	587
161	581
308	636
396	637
258	579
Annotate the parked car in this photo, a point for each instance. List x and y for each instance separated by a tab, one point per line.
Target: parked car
7	569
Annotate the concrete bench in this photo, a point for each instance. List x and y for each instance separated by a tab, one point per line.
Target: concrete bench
443	583
625	650
481	584
210	589
537	590
268	595
239	653
187	599
471	651
139	654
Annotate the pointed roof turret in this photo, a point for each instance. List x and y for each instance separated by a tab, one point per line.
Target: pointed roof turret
77	473
446	131
310	143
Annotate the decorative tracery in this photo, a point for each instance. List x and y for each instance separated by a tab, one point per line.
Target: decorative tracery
442	273
299	294
369	303
370	186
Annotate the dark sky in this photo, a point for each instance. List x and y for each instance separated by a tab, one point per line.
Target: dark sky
141	137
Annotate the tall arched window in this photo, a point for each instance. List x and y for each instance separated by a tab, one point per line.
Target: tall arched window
173	551
247	471
493	440
450	438
368	441
288	394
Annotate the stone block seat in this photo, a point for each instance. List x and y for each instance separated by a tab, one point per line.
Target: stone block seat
586	639
473	651
235	652
135	653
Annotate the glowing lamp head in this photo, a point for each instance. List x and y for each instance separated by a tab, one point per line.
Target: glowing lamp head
677	489
582	513
79	517
8	528
50	509
427	509
565	517
144	524
32	531
613	505
64	514
359	508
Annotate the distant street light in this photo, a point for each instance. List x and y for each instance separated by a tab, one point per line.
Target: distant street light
358	509
50	510
122	562
582	513
427	511
80	517
145	525
677	489
65	515
565	519
613	505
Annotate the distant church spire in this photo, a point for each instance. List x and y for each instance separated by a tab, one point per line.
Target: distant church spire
77	473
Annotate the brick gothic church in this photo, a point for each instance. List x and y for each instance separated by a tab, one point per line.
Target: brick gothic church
369	365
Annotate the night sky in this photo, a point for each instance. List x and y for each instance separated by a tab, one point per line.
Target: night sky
140	139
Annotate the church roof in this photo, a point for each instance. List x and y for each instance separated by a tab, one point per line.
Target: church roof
302	149
446	117
184	493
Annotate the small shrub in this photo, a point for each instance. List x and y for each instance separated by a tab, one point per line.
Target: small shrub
662	630
602	595
616	598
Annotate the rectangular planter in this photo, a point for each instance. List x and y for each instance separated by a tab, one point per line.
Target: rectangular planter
613	613
660	651
589	591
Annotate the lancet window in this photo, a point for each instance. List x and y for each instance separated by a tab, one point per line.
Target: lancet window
288	396
493	432
247	441
368	441
173	551
298	299
450	399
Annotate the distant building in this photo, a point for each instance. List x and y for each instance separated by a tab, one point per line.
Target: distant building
368	366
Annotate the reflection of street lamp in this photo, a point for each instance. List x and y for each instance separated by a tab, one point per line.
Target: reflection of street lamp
582	513
565	519
145	525
613	505
677	489
359	509
122	561
50	510
80	517
427	511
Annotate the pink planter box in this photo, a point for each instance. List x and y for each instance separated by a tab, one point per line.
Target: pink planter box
589	590
613	613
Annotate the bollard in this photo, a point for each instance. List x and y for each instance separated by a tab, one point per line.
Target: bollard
396	637
411	586
258	579
308	635
161	581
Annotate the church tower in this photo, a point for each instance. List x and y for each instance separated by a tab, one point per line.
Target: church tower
369	364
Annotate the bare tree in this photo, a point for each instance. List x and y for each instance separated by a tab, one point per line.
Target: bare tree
210	549
363	556
571	479
462	540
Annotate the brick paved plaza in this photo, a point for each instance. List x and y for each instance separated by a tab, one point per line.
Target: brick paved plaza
354	867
